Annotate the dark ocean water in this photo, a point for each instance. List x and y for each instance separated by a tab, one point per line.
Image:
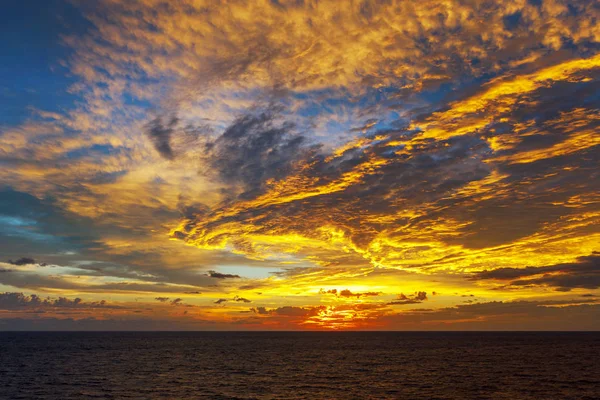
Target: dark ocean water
332	365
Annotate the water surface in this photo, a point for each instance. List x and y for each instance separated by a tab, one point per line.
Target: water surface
337	365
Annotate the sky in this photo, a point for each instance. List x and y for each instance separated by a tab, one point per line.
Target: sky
299	165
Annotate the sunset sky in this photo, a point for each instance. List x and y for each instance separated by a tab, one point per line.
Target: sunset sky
300	165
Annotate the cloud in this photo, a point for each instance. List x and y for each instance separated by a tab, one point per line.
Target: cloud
95	324
162	299
160	134
329	291
260	310
416	298
288	311
325	142
346	206
348	293
17	301
255	148
421	296
219	275
22	261
515	315
176	301
583	273
495	315
302	45
235	298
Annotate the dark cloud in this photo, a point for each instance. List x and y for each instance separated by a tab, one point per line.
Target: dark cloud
348	293
403	302
36	226
330	291
421	296
146	278
235	298
434	180
160	134
16	301
498	315
288	311
219	275
22	261
175	302
30	280
415	298
135	287
260	310
42	228
291	311
584	273
256	147
255	285
106	324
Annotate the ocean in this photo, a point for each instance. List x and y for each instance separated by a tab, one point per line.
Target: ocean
308	365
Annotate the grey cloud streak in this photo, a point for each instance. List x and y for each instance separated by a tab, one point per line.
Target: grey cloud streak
584	273
160	133
256	147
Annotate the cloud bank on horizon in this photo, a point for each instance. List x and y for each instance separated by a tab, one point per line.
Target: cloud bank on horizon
300	165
